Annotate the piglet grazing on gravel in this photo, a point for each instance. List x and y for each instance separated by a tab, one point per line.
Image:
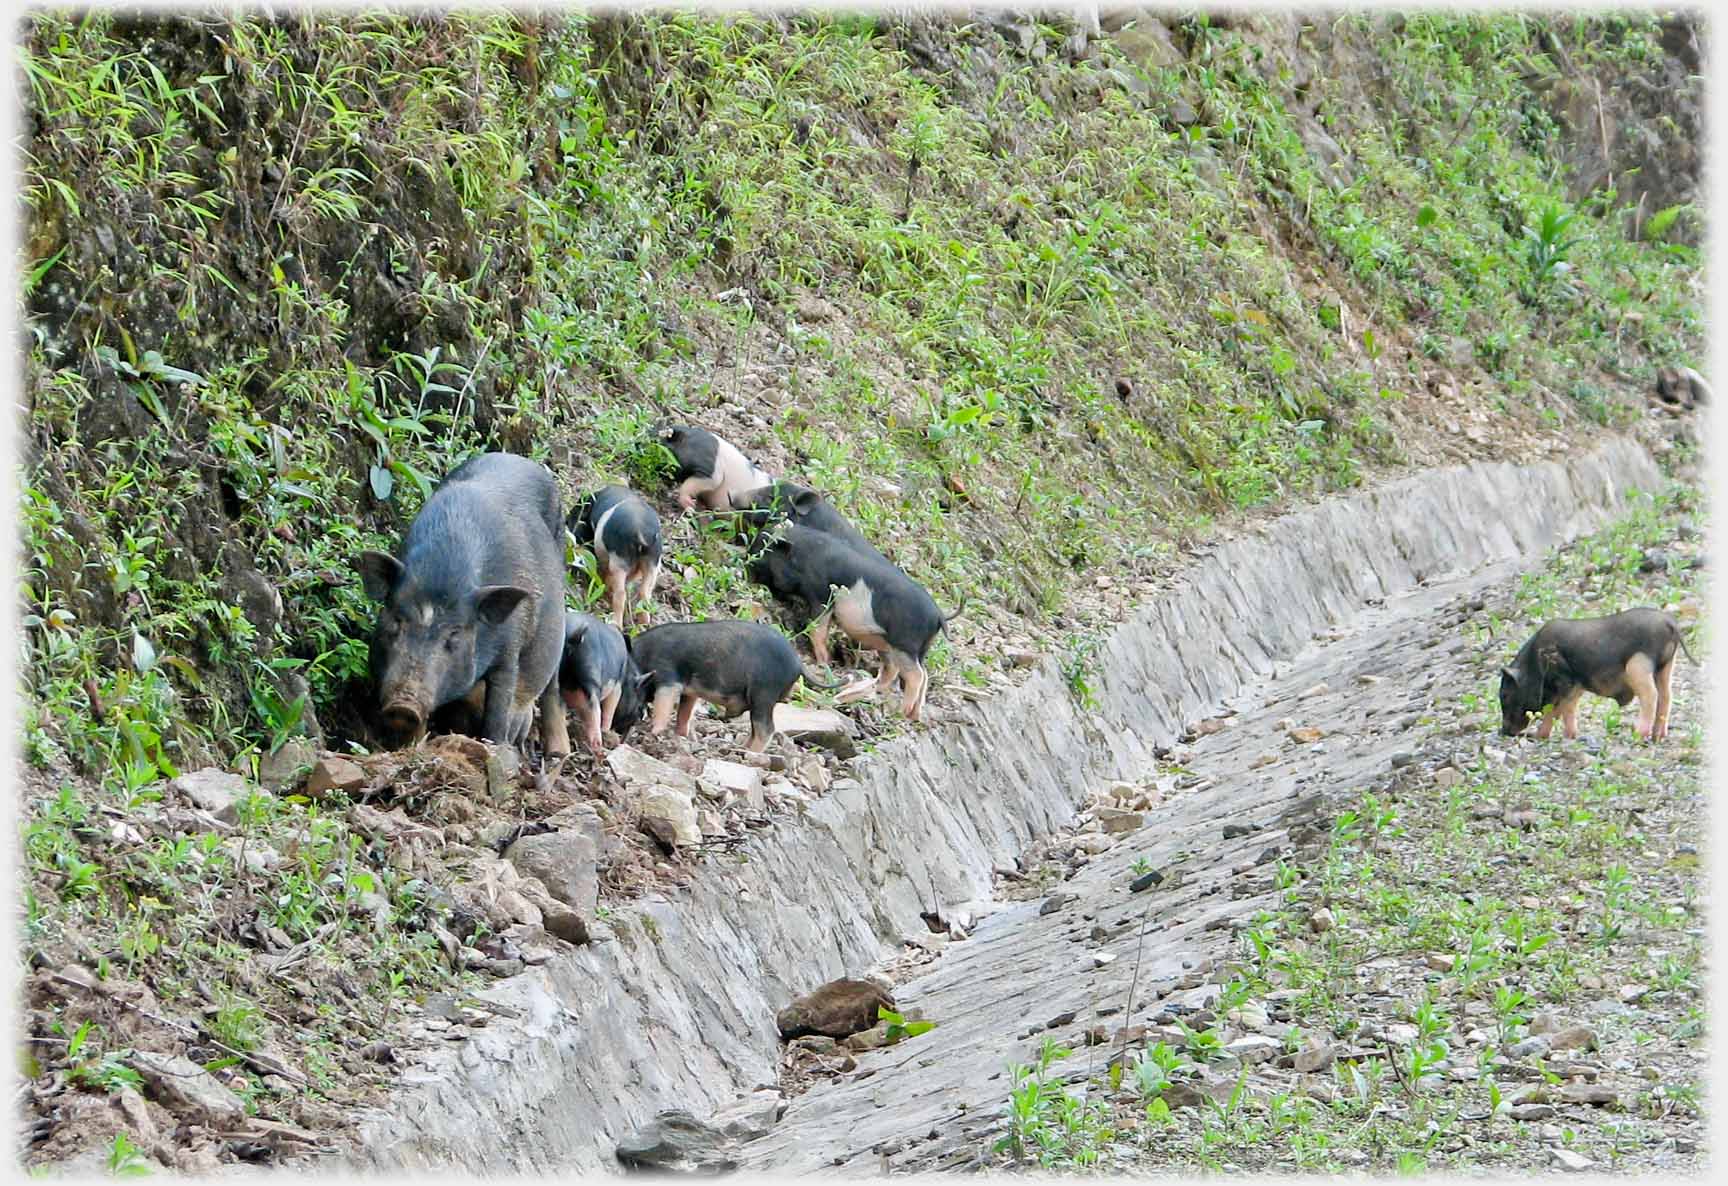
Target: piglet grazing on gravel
710	469
739	666
624	533
600	682
876	604
1622	657
477	595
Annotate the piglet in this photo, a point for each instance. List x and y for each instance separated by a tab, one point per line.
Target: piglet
599	681
739	666
761	508
624	533
710	469
876	604
1623	657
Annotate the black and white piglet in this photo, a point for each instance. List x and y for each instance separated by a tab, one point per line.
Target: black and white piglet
710	469
624	533
876	604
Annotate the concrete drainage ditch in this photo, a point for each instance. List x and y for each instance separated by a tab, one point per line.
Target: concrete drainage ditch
679	1011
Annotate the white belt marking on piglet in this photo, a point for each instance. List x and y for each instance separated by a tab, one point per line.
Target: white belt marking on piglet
600	528
855	609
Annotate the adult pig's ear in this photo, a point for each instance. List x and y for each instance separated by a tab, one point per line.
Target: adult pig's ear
495	603
379	572
1510	674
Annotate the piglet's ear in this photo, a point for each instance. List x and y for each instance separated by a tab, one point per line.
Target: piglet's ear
495	603
379	573
804	501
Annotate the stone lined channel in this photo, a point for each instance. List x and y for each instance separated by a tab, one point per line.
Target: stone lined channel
678	1011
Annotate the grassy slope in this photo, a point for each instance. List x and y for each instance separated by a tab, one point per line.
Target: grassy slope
375	245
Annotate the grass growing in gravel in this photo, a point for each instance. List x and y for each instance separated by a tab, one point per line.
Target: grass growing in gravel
1502	947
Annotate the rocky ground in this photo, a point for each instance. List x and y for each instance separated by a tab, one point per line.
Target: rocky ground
1348	925
358	903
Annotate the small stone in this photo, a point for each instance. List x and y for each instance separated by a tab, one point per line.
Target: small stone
1102	959
871	1039
1254	1049
1589	1093
1236	831
1447	776
1532	1112
820	727
1319	689
1369	680
1632	993
838	1009
677	1141
669	816
280	769
1020	657
1572	1163
503	764
215	791
182	1084
1314	1058
1544	1023
752	1116
718	778
1114	821
1402	759
1307	735
1526	821
1146	881
1056	902
1321	921
334	774
1574	1037
1442	962
1538	1045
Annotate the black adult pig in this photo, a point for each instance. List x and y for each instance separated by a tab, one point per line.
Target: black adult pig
478	594
876	604
761	508
739	666
1623	656
599	680
710	468
624	533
